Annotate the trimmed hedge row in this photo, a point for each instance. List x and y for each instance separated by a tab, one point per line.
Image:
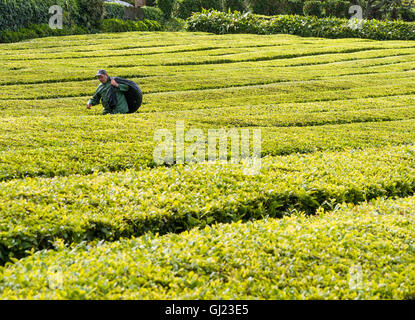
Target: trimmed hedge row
310	26
116	25
361	252
39	31
36	211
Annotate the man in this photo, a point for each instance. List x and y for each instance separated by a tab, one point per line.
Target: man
121	105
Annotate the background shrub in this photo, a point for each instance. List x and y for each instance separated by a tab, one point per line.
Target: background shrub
113	10
185	8
166	6
148	2
153	13
221	22
401	13
232	5
274	7
309	26
174	24
117	25
313	8
20	13
407	14
90	13
336	8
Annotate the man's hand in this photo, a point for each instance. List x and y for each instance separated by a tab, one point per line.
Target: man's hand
114	83
88	106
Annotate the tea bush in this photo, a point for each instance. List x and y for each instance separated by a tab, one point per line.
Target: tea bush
354	252
37	211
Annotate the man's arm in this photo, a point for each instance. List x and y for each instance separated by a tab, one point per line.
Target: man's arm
95	99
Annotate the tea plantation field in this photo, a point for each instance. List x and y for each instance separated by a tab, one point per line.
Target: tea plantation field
85	212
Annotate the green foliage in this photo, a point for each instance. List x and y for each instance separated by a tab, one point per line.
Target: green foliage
21	13
233	5
153	13
39	31
185	8
310	26
113	10
338	124
353	96
354	252
274	7
222	23
90	13
402	13
37	211
174	24
166	6
313	8
116	25
390	10
336	8
82	21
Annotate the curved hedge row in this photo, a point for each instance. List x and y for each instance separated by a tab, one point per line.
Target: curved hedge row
35	212
39	31
362	252
309	26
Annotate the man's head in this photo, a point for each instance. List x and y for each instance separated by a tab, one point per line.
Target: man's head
102	76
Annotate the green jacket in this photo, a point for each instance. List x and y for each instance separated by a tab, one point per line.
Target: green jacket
101	94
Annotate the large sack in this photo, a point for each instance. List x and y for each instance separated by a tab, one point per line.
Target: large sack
134	96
